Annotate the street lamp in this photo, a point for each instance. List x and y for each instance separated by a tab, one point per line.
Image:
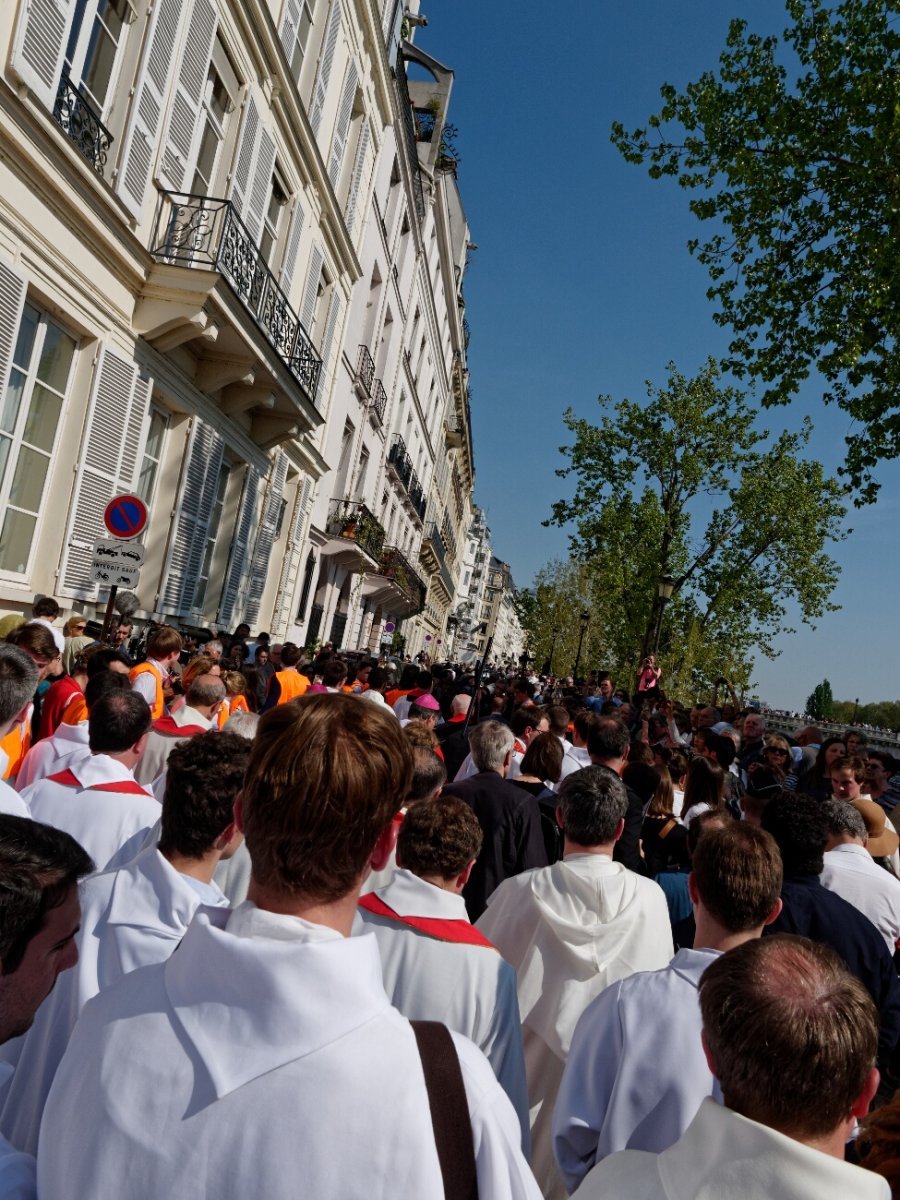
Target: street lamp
585	620
664	588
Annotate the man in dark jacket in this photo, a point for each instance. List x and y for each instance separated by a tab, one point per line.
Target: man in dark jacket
509	816
607	745
799	825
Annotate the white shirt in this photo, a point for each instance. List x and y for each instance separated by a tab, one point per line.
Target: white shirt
205	1076
570	930
160	745
51	754
851	872
571	763
636	1072
471	989
101	820
17	1170
724	1156
11	803
129	918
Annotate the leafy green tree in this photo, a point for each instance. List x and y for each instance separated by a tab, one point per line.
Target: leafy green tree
820	704
550	615
791	150
686	486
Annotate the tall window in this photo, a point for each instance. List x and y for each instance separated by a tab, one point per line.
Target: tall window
156	433
300	43
216	106
29	423
273	218
97	32
215	519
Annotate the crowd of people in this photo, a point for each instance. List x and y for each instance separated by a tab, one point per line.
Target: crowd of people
275	922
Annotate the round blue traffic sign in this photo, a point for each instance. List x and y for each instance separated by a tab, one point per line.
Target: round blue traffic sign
125	516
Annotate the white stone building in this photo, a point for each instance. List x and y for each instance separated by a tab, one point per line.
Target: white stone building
206	210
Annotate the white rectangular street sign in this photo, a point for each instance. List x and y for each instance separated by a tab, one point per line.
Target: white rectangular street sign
113	576
118	554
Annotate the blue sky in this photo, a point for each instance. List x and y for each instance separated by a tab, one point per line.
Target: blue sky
582	283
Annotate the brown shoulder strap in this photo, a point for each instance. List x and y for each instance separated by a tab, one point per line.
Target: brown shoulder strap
449	1109
667	828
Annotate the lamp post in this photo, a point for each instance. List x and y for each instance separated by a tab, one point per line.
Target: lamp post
585	620
664	588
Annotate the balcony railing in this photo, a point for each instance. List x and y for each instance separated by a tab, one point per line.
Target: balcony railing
81	125
199	231
395	566
409	126
402	464
365	369
351	520
426	119
379	400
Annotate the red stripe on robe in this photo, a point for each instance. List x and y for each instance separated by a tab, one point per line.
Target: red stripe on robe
168	727
443	930
124	786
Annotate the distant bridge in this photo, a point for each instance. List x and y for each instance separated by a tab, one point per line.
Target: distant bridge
792	725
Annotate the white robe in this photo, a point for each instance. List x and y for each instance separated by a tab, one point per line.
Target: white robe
471	989
129	918
160	745
570	930
262	1060
52	754
724	1156
636	1072
17	1170
11	803
102	821
851	871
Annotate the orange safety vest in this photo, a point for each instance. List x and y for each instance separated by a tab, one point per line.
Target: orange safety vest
75	711
16	745
158	707
292	684
237	704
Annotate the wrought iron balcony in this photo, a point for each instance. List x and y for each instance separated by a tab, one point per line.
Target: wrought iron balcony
409	126
402	465
379	400
351	520
81	125
200	231
426	119
365	369
395	566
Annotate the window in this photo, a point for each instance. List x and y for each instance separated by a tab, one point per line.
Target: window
29	423
97	32
272	220
216	106
296	50
156	433
215	518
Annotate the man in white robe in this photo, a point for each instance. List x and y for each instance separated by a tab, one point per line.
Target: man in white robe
39	872
97	799
636	1072
435	965
570	930
19	676
851	871
197	714
136	915
264	1058
791	1036
69	742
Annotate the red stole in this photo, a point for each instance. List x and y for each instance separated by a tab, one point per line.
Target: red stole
168	728
442	929
128	786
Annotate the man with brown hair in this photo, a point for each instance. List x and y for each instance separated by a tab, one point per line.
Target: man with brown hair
636	1071
287	683
791	1037
436	966
37	642
151	678
264	1057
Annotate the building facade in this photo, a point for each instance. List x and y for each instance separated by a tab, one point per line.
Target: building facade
232	252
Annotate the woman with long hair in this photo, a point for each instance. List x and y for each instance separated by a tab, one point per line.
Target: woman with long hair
817	780
704	788
663	837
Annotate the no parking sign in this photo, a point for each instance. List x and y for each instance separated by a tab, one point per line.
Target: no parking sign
125	516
